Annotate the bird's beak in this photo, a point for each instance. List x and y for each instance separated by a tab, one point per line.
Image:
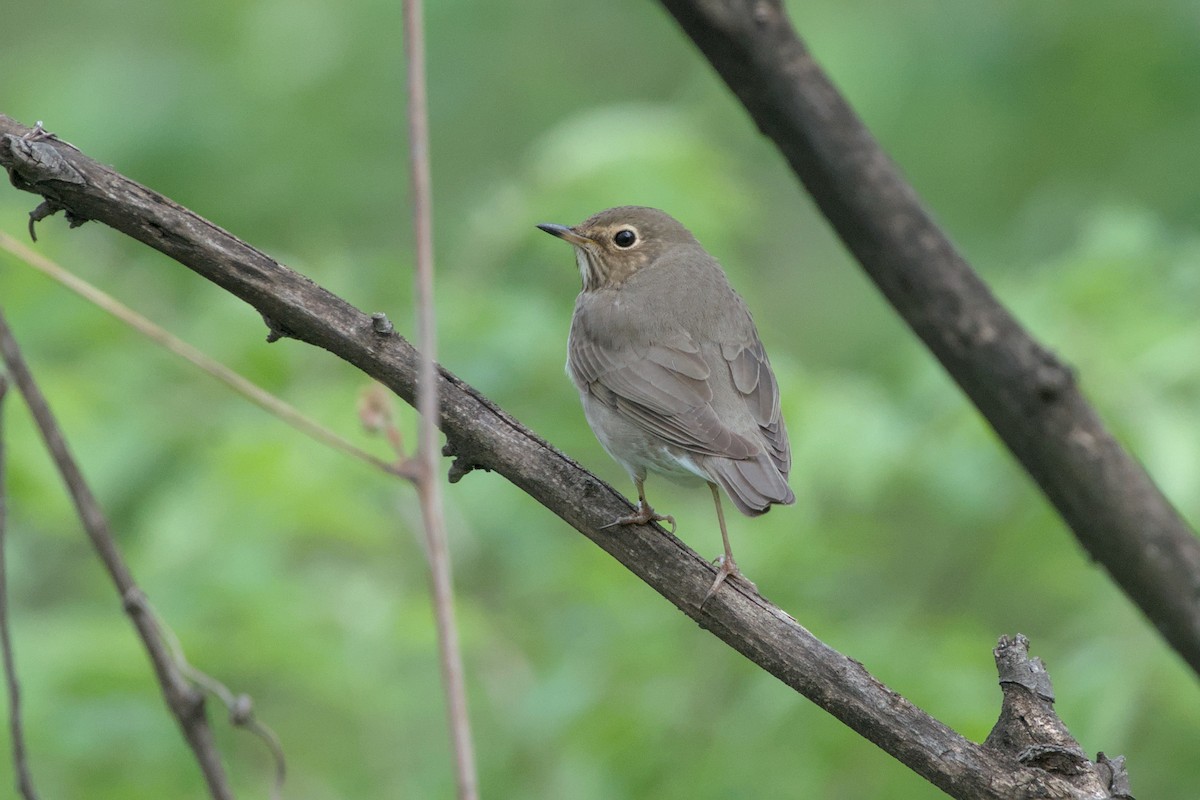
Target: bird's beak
565	233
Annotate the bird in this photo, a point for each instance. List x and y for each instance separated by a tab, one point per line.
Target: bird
671	372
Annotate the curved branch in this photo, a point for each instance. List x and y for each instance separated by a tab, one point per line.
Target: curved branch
1028	396
481	435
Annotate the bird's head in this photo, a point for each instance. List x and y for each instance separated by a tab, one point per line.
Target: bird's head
613	245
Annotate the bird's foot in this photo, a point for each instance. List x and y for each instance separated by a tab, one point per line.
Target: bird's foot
643	515
726	568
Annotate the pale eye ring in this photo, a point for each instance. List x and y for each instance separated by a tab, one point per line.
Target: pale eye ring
624	238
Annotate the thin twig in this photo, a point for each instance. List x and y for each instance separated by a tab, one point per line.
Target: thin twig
256	394
428	484
16	728
239	706
184	701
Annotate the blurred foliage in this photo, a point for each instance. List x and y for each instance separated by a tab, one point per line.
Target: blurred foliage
1055	141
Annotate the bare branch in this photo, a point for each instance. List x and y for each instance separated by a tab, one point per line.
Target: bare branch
184	701
1024	391
482	436
12	682
1029	731
429	486
239	706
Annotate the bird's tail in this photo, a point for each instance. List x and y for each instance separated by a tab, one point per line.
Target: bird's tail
753	484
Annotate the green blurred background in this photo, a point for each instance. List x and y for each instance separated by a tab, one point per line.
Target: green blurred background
1057	143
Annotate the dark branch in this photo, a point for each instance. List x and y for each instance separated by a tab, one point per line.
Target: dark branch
1021	388
1029	730
482	436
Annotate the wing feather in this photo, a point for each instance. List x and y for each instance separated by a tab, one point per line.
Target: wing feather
663	388
754	379
669	385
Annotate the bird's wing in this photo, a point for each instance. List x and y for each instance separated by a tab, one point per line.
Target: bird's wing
755	382
665	389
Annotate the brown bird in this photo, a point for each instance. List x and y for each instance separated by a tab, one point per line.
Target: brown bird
670	369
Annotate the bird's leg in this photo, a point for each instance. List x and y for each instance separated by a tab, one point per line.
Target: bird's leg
644	512
726	566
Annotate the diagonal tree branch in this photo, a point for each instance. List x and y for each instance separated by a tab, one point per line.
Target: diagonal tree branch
481	435
1028	396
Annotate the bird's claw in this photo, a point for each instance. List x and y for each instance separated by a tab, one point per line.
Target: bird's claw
726	568
643	515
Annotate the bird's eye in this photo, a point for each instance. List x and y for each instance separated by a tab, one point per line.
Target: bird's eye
625	238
